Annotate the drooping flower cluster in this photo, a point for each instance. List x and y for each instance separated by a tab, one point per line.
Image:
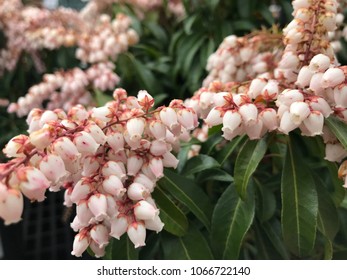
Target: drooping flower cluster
107	160
242	58
306	86
98	40
64	89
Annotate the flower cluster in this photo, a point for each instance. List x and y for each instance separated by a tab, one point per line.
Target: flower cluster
241	58
304	88
98	40
64	89
107	160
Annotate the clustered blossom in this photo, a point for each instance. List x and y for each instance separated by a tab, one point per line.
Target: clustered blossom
306	86
98	40
64	89
241	58
107	160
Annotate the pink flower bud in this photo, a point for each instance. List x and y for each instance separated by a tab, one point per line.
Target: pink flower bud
206	99
335	152
53	167
114	186
114	168
287	97
47	116
286	124
314	123
316	83
145	100
256	87
67	198
340	96
144	210
137	191
33	183
137	234
66	149
116	141
112	208
319	63
76	225
83	213
249	113
186	117
156	166
154	224
135	128
169	117
90	166
81	190
231	121
102	113
3	192
41	138
95	131
269	118
98	252
85	143
299	111
158	129
11	208
15	147
255	130
158	148
144	181
80	244
271	90
78	113
97	204
134	164
328	20
119	226
333	77
304	77
169	160
289	59
215	117
99	234
321	105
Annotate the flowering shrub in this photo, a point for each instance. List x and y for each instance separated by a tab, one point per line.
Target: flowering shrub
256	177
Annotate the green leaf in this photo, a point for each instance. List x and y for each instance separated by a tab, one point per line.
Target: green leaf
208	146
328	221
232	217
266	14
224	153
122	249
214	174
174	219
190	55
188	23
192	246
188	193
299	203
244	8
199	163
157	31
266	202
183	157
247	161
339	128
243	25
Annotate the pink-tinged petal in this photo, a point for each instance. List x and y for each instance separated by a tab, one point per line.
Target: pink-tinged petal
85	143
80	244
12	208
119	226
116	141
114	186
100	235
134	164
144	210
53	167
137	191
156	166
83	213
137	234
155	224
97	204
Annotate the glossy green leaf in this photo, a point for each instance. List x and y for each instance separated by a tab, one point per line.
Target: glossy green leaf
122	249
199	163
244	8
225	153
328	222
174	219
192	246
266	202
191	54
232	217
214	174
247	161
101	98
188	193
299	203
339	128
